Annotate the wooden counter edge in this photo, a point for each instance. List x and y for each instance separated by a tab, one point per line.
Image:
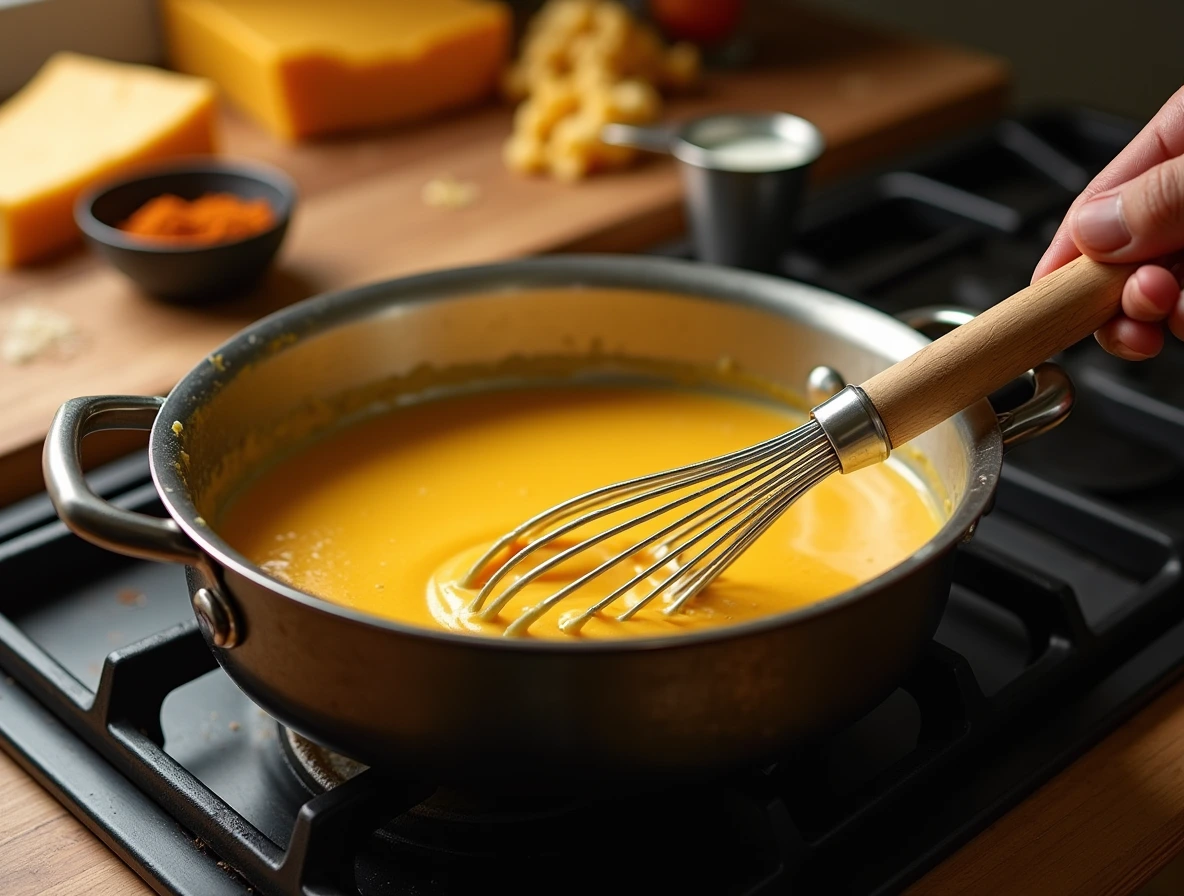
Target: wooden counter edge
1104	826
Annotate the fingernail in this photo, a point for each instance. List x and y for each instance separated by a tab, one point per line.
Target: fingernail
1100	225
1039	265
1127	354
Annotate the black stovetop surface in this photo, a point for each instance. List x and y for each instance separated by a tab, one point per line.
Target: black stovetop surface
1064	619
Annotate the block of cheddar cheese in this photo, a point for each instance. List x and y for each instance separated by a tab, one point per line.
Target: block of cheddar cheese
309	68
80	119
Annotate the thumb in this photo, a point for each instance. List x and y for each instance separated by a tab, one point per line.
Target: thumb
1139	221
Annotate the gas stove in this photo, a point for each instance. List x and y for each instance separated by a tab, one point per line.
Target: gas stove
1064	619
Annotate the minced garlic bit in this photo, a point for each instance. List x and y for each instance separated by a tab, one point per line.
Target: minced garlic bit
33	332
447	191
218	364
177	428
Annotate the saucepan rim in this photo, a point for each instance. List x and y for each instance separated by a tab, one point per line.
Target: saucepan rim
978	427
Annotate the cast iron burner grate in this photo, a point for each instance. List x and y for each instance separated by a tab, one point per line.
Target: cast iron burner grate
1065	618
471	833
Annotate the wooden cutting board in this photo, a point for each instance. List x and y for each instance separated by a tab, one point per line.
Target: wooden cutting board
360	216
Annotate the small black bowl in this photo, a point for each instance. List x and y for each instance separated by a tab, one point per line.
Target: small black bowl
178	273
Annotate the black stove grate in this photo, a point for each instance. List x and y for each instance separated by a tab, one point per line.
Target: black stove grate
1065	618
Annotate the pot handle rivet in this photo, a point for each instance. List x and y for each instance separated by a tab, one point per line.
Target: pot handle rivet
216	618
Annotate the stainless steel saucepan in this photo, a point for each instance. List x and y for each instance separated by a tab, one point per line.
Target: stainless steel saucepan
522	713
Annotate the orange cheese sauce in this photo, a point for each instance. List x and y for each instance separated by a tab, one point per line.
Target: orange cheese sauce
387	515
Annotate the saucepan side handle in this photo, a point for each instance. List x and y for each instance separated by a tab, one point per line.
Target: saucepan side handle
1052	400
1052	390
83	511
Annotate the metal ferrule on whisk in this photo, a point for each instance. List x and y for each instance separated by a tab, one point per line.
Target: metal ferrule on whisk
854	428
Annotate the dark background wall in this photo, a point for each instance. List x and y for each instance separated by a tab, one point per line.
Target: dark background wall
1124	56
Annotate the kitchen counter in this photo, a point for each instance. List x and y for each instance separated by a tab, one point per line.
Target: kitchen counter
1104	825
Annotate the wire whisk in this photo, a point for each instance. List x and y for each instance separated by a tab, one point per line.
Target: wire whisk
757	485
720	506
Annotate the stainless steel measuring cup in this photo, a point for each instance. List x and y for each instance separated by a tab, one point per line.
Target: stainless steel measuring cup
744	176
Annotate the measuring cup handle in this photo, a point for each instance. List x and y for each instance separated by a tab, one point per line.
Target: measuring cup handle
83	511
651	139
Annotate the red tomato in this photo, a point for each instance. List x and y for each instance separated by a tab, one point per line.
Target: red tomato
702	22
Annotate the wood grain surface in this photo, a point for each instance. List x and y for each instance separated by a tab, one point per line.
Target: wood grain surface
1103	827
360	217
45	851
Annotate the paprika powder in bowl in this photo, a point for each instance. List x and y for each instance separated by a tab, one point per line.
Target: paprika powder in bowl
190	231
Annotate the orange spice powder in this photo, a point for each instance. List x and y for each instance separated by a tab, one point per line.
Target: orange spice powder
212	218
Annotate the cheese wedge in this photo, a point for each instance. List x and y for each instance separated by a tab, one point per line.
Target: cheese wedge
307	68
81	119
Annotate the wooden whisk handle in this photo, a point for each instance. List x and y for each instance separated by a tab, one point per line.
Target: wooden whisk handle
984	354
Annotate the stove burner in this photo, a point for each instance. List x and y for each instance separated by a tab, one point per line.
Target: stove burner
318	768
321	769
464	831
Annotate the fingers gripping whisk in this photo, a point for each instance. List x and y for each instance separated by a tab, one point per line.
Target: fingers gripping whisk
703	516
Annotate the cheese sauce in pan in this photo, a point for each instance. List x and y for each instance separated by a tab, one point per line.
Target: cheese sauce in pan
387	515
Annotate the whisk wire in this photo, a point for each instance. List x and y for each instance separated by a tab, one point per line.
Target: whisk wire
785	457
823	468
759	484
770	455
779	501
741	505
666	554
704	469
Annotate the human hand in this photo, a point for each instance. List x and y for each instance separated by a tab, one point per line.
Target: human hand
1133	211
